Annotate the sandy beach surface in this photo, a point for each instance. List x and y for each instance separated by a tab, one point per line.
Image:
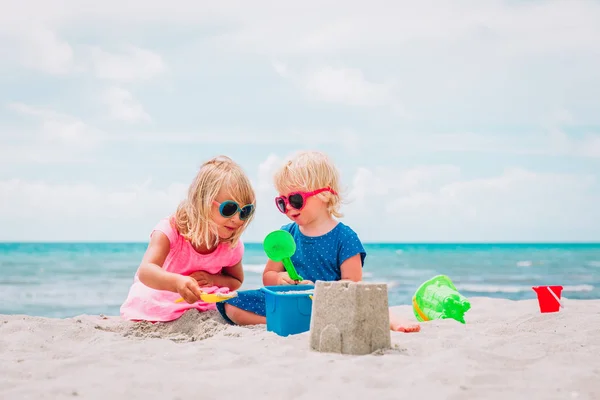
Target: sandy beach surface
507	350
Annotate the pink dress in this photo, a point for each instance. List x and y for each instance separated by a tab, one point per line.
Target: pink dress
147	304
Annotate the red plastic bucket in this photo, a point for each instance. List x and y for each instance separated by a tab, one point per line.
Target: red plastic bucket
549	301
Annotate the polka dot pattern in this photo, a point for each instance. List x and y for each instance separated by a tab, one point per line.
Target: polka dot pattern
316	258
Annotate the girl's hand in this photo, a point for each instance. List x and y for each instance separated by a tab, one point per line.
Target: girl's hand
188	289
203	278
284	279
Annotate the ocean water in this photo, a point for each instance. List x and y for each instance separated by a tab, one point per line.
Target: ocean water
64	280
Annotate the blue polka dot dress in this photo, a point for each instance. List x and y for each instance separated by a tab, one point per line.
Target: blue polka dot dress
317	258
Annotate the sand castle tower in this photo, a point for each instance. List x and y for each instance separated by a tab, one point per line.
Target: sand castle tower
350	318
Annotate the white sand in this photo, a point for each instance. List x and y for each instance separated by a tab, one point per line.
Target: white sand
507	350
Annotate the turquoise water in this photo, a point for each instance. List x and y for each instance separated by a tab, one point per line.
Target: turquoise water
63	280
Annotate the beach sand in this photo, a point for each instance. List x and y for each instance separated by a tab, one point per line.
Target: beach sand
507	350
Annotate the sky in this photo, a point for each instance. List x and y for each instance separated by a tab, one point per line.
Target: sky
449	121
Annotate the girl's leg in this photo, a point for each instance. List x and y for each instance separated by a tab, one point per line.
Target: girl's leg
399	325
243	317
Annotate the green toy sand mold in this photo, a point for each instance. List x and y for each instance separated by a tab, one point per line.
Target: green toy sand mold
280	246
438	299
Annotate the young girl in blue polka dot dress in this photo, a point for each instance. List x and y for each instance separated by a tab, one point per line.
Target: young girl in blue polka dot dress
326	249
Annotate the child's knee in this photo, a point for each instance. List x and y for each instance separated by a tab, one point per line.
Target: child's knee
243	317
231	311
235	314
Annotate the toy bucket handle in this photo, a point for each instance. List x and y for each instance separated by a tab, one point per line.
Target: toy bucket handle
555	297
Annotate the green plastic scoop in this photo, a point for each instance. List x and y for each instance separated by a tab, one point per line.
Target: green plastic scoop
280	246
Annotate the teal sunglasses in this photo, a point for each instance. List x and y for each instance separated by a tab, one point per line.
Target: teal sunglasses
229	208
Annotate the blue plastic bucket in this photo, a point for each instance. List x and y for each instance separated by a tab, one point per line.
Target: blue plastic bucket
288	313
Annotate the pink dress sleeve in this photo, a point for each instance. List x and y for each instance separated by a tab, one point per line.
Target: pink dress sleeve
165	226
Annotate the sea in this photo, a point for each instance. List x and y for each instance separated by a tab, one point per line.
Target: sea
69	279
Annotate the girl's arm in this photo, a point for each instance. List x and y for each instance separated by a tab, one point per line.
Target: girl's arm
275	274
231	277
153	275
352	269
150	271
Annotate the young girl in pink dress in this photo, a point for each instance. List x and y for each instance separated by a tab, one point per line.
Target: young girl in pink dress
198	249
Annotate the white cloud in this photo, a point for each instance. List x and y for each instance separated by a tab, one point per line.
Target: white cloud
383	182
58	137
42	50
425	203
41	211
32	43
552	142
122	105
306	138
560	143
131	65
337	85
439	204
36	210
470	63
345	86
281	69
492	26
59	129
266	171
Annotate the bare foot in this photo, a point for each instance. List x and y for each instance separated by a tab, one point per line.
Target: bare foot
399	325
405	327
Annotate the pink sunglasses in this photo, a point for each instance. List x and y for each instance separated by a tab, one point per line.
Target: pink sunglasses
297	200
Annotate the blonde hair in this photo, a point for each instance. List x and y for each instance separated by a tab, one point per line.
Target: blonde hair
193	216
308	171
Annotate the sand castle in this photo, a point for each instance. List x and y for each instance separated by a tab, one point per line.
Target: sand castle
350	318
